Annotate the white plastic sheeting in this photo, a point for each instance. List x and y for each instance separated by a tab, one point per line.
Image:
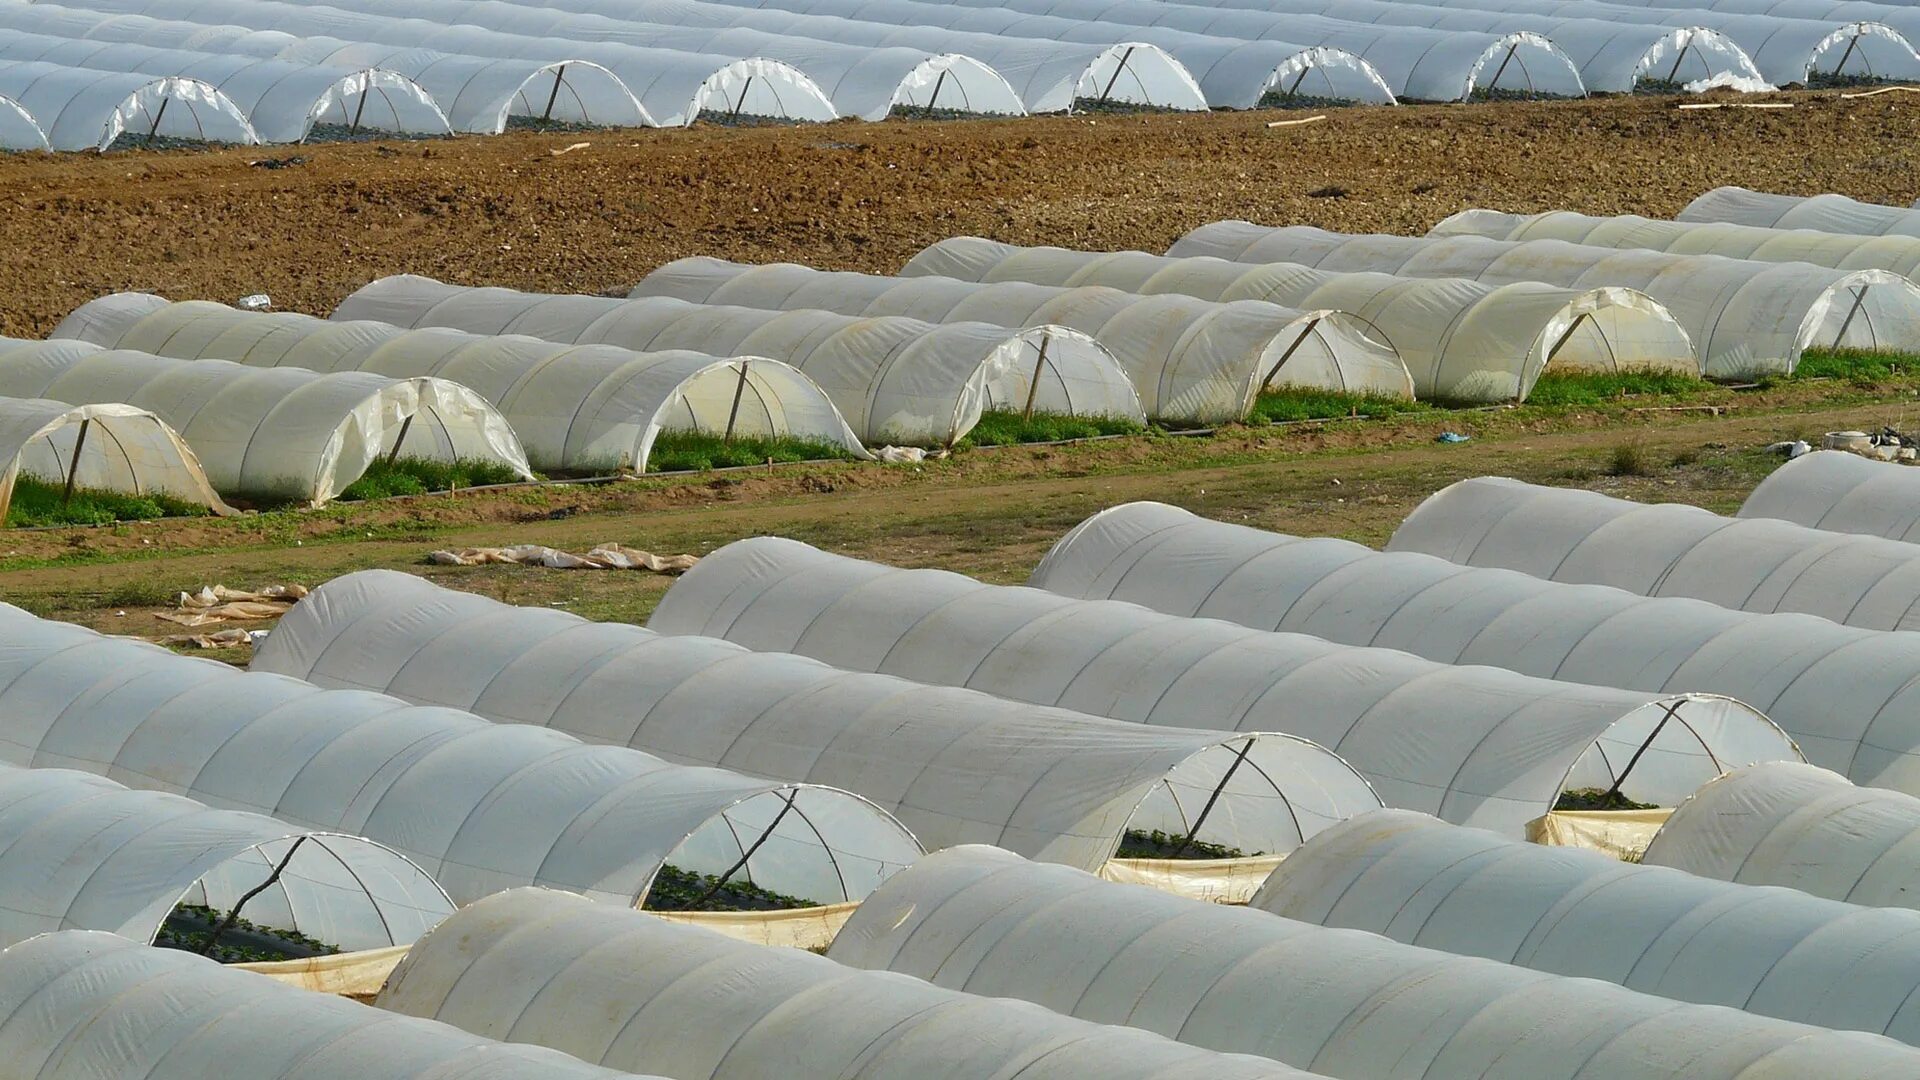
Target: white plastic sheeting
1462	340
81	1005
1669	549
1846	695
896	380
1783	50
1048	76
479	806
1417	63
1900	254
1800	827
861	81
1232	73
283	434
1861	39
18	129
1471	744
576	408
1841	492
1343	1003
478	94
80	852
282	101
131	451
674	87
698	1006
1570	911
1827	213
83	109
1190	360
1745	318
955	766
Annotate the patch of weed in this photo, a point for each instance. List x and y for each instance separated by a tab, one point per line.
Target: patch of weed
38	502
1005	428
681	451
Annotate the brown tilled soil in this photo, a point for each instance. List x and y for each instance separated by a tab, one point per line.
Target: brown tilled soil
509	211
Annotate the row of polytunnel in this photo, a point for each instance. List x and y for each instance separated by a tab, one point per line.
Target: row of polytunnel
89	76
421	777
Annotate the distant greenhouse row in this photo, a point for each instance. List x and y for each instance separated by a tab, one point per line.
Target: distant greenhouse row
109	72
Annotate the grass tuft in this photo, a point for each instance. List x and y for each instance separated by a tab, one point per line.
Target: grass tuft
417	476
1573	388
1631	459
1295	403
695	451
37	503
1005	428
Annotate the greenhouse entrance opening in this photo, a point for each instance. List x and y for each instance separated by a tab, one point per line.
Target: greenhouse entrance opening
1661	753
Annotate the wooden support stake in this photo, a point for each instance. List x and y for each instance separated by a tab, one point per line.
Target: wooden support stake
73	467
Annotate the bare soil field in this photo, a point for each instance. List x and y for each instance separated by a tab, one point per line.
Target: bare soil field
511	211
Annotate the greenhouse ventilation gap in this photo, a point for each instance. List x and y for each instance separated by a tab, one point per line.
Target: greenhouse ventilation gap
894	379
1746	319
1192	361
80	1005
1801	827
1842	492
479	806
581	409
1899	254
1462	340
1846	695
1568	911
1827	213
134	452
1669	549
698	1006
1474	745
955	766
1340	1002
283	435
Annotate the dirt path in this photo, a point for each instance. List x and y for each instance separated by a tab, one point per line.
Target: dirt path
507	211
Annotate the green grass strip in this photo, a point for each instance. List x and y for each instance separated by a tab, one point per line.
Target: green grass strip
1299	403
37	503
695	451
417	476
1564	388
1865	366
1007	428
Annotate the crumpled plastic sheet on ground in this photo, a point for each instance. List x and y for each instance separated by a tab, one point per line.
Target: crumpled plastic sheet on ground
602	557
217	604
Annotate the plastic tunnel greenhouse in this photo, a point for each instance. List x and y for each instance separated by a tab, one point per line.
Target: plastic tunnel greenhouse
584	409
288	434
1900	254
1191	361
1846	695
861	81
1612	54
1669	549
1848	38
1841	492
1231	73
80	852
955	766
479	806
1342	1003
83	109
699	1006
1568	911
1746	319
1047	75
282	101
674	87
134	452
80	1005
1800	827
1827	213
478	94
1462	340
1418	64
1471	744
894	379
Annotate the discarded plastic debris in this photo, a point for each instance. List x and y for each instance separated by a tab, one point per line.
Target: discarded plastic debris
256	302
1451	437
